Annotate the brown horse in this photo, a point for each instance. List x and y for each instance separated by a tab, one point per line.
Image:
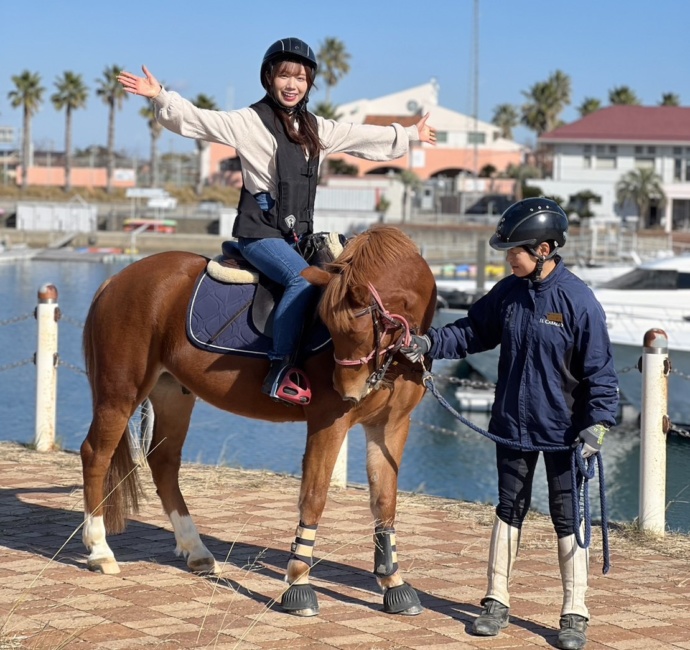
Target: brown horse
135	346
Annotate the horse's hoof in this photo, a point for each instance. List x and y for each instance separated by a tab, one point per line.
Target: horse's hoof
300	600
403	600
106	565
203	565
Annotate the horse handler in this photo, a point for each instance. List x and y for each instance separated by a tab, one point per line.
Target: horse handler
557	388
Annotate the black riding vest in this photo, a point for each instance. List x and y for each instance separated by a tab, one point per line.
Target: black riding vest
293	212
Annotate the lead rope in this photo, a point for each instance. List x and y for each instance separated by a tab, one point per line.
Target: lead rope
578	464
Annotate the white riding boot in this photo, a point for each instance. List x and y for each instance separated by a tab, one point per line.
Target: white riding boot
574	564
503	550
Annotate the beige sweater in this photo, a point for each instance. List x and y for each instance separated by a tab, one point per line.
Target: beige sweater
256	147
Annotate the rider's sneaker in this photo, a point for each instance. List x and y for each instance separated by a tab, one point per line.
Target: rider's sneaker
285	383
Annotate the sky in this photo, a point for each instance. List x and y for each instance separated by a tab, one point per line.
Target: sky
215	47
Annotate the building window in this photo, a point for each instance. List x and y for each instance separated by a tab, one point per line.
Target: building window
681	168
606	162
476	137
678	168
441	136
644	162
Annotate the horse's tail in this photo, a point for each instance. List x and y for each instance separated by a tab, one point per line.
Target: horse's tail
87	348
122	487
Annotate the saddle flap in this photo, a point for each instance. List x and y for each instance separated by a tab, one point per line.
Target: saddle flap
266	297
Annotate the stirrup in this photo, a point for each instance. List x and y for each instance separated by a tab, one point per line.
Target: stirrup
288	384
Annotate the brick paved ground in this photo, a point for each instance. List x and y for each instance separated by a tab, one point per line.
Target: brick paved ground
49	600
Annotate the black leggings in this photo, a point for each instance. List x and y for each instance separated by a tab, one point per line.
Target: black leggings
515	476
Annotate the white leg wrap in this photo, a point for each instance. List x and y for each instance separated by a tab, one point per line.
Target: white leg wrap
93	536
188	542
503	550
574	564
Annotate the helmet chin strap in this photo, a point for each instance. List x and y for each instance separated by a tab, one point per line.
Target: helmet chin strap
535	276
298	109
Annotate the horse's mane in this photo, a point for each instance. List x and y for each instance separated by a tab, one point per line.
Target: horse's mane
364	258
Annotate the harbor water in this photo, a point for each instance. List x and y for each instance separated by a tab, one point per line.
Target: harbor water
443	456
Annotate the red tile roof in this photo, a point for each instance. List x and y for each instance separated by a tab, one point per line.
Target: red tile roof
627	124
387	120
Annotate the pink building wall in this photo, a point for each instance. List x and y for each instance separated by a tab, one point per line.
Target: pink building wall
81	177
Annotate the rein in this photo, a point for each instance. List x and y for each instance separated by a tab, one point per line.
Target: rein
580	465
384	321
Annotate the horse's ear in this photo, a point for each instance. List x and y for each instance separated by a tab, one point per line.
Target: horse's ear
360	295
317	276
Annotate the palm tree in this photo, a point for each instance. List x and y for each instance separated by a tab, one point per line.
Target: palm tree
333	63
521	173
589	105
71	94
412	183
669	99
112	93
641	187
327	111
155	130
28	95
623	96
207	103
506	118
545	102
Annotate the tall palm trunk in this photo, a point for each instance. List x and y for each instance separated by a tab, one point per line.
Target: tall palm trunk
201	147
26	149
68	149
111	147
156	132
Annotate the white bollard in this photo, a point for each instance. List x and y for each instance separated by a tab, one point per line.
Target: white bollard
47	314
653	429
339	476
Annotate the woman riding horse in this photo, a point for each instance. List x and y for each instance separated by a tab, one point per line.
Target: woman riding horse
375	295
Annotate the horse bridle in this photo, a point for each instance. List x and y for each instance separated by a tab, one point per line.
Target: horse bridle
383	322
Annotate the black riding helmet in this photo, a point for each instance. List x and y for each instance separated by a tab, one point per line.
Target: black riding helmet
287	49
530	222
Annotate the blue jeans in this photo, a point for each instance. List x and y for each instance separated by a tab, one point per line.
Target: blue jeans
279	261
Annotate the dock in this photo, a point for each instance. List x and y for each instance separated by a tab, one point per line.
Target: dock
49	600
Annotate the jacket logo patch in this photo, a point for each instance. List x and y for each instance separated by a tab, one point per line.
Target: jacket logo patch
553	319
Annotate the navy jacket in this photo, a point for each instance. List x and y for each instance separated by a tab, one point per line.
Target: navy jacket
555	370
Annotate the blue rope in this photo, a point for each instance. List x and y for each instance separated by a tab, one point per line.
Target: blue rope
583	466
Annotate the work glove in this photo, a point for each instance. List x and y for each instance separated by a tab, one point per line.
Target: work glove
592	438
418	347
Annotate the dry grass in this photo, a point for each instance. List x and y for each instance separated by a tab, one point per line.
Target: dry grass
185	195
624	537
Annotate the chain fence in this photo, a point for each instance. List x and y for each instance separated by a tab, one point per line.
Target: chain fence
483	385
469	384
12	321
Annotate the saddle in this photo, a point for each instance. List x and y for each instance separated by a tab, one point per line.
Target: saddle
232	268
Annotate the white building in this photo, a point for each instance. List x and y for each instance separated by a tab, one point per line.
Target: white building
594	152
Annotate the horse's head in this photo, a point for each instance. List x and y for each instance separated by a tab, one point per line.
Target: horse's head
376	293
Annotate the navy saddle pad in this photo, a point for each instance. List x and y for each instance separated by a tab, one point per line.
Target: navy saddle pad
219	320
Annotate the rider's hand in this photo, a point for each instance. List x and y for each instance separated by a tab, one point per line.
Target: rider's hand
419	346
146	86
592	438
426	133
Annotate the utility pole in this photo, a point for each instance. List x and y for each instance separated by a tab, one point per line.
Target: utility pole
475	103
